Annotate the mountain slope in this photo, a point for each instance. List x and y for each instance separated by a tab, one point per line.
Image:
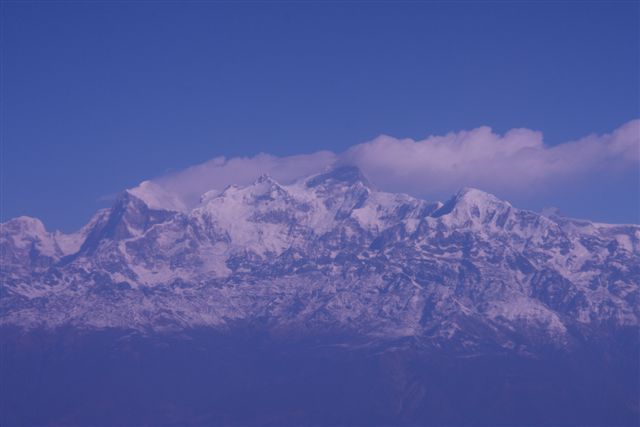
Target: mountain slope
328	253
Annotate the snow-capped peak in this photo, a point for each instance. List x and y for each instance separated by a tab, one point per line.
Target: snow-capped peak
26	225
264	178
324	251
157	197
339	175
471	203
471	197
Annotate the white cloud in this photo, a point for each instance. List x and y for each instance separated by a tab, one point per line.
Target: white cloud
515	162
183	189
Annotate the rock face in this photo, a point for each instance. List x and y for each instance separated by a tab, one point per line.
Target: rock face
328	254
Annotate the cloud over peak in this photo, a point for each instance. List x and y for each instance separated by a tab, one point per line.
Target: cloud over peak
515	162
518	160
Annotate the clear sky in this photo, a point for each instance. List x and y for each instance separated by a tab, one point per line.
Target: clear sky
98	96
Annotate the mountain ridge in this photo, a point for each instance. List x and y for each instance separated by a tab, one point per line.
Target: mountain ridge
328	253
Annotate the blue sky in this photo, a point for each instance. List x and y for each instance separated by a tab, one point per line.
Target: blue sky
97	97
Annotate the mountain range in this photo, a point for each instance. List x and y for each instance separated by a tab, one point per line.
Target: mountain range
331	256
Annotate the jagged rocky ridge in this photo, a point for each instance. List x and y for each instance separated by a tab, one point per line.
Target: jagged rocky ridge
328	254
